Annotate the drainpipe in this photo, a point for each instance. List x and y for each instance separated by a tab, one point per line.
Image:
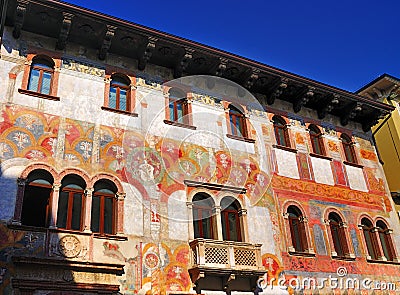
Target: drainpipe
2	20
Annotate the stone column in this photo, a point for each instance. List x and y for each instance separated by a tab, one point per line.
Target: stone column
190	220
120	213
290	247
19	201
304	223
54	205
330	239
87	217
217	224
349	249
243	225
363	242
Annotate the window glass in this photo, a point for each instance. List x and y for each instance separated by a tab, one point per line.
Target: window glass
108	215
280	131
236	119
119	90
230	219
33	84
76	211
202	216
368	237
62	209
70	203
338	234
103	207
41	74
95	220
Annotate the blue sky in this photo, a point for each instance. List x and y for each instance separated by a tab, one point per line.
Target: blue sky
342	43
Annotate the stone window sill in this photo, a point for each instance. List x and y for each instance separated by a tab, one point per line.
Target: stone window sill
183	125
38	94
285	148
383	262
320	156
119	111
245	139
304	254
353	164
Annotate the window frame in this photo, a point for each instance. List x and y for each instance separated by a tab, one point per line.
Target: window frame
33	184
385	241
348	149
226	224
209	212
339	242
237	120
281	130
103	197
70	206
128	84
317	142
372	246
42	70
53	63
174	97
301	230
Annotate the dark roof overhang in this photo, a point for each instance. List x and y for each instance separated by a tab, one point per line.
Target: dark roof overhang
69	23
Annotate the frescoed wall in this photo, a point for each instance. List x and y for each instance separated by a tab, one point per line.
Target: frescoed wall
157	167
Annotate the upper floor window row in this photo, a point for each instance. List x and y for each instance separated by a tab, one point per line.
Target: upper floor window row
316	143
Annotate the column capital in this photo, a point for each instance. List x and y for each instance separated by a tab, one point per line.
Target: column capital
21	181
303	219
120	196
189	204
56	186
217	208
242	212
89	191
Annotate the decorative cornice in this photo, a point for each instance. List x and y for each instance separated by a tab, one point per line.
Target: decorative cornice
215	186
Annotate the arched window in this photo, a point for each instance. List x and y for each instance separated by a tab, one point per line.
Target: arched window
103	207
338	235
41	75
369	238
178	108
36	204
348	148
237	122
203	219
385	240
281	132
317	142
231	229
119	96
71	203
297	229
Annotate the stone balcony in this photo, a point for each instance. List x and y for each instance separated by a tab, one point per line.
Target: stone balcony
225	259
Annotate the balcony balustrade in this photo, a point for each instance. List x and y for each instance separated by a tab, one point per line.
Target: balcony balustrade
225	255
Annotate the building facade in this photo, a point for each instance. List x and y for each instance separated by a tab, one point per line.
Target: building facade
387	133
138	162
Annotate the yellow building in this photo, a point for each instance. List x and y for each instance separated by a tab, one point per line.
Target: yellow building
387	133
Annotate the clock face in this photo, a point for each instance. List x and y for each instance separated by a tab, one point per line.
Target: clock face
69	246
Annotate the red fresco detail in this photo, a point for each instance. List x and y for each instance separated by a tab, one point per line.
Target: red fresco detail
340	177
72	133
303	166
